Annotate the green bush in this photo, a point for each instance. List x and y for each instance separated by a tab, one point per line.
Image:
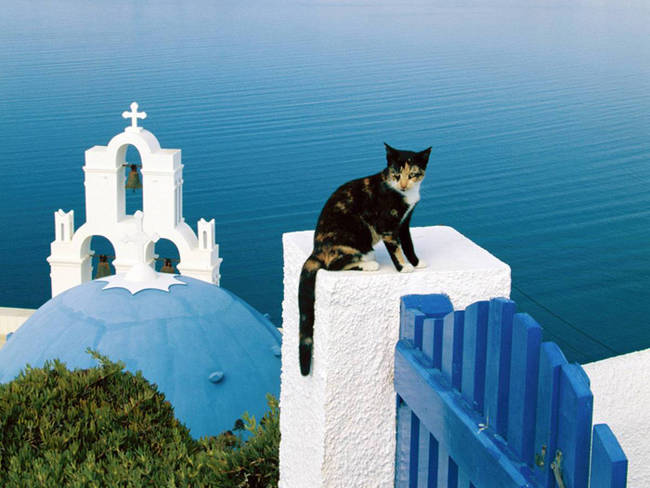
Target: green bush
105	427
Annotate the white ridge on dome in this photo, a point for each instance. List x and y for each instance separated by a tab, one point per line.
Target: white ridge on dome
141	277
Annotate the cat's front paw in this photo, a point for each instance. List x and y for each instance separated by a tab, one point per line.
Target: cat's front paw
421	264
369	265
407	268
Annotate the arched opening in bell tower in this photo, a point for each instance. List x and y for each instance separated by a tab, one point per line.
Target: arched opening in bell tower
102	255
133	190
168	256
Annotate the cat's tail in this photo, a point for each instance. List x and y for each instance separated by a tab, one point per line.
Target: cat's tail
306	300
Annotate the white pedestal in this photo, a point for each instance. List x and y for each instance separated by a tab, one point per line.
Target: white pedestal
621	398
338	423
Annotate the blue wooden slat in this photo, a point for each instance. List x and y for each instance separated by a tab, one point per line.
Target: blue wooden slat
463	480
424	448
411	326
433	345
438	328
524	369
443	466
452	476
574	425
432	479
414	448
414	309
418	320
550	361
474	352
429	339
454	425
405	326
497	376
452	348
403	445
608	461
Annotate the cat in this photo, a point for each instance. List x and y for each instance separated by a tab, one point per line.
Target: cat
357	216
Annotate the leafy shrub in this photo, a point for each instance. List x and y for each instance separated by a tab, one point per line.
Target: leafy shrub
105	427
233	463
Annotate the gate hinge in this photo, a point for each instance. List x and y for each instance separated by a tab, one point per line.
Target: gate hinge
540	457
556	467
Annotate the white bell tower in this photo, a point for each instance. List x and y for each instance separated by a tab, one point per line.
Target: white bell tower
132	236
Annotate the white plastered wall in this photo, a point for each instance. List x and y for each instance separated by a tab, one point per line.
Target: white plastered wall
338	423
622	400
12	318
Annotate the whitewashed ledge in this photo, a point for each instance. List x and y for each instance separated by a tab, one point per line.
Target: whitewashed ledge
11	319
338	423
622	400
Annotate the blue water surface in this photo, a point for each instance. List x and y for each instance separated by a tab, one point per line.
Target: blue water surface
538	113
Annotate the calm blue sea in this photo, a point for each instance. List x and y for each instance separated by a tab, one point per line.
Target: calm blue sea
538	113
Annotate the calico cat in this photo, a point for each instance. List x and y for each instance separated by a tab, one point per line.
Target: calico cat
357	216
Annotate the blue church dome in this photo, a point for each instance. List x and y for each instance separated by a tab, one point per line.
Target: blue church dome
211	354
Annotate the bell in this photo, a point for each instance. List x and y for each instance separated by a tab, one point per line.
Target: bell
168	267
133	181
103	268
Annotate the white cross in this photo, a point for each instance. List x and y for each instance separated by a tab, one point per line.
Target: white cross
134	115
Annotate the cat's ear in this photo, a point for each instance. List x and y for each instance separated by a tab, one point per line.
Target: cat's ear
390	153
423	156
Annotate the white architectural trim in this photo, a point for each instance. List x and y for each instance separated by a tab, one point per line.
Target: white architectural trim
621	397
141	277
132	236
12	318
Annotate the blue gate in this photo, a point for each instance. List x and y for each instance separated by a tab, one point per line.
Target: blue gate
482	403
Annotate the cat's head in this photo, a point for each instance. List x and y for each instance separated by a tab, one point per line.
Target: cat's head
405	168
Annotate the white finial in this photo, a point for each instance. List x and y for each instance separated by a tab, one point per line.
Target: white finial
134	115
